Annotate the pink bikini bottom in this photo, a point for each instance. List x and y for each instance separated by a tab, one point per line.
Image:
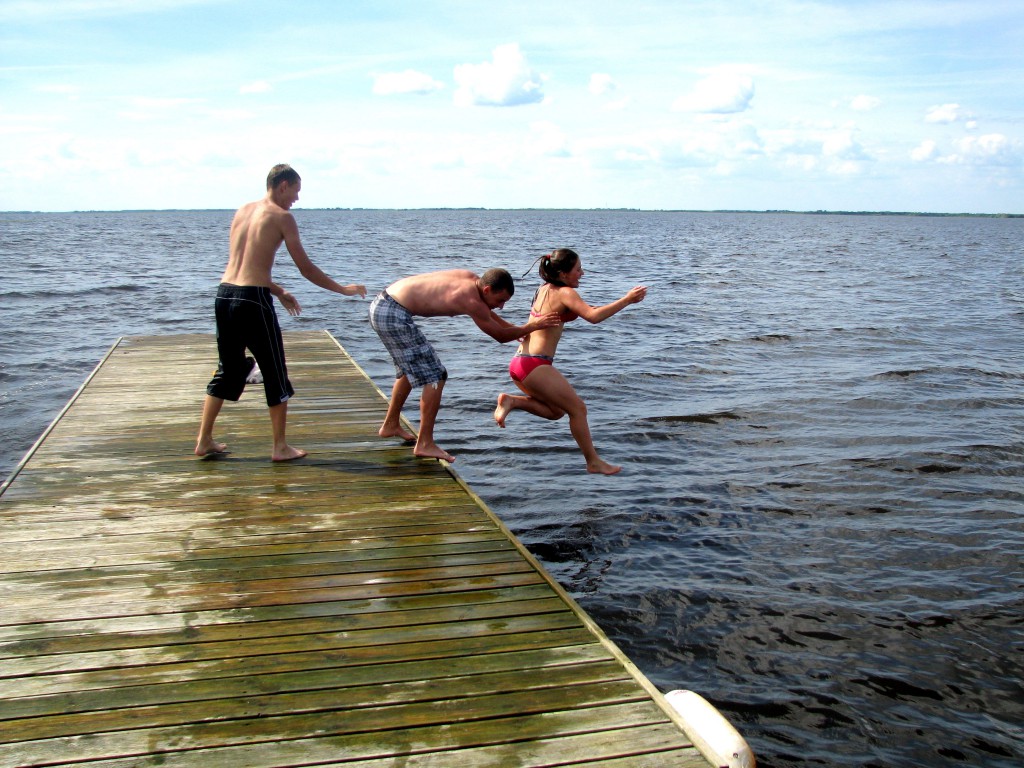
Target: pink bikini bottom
522	366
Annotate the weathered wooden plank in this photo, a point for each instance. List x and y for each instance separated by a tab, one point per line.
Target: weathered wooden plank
536	662
485	719
358	605
445	651
264	646
213	601
470	690
247	567
168	551
118	586
468	601
650	746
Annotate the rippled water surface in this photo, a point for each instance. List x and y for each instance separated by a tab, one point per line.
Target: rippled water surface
820	524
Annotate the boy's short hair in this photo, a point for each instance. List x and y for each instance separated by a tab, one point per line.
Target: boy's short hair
282	172
498	280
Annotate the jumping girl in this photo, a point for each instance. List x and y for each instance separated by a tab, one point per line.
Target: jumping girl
547	392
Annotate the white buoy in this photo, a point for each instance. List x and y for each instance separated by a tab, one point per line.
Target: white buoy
710	732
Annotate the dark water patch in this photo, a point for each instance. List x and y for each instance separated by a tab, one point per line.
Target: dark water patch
896	689
691	418
939	468
900	374
92	291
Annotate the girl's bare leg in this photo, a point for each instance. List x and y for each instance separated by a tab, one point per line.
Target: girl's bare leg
550	388
509	403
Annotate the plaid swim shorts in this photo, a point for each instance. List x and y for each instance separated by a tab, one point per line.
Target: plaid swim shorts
413	355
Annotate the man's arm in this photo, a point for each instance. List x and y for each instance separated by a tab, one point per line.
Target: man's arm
309	270
503	331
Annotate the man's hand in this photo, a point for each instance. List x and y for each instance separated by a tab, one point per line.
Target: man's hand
355	290
544	321
289	302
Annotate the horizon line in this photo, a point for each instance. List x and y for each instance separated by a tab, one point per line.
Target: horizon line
819	212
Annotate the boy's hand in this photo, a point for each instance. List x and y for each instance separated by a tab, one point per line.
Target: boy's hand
290	303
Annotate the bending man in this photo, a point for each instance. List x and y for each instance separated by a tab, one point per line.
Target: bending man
448	293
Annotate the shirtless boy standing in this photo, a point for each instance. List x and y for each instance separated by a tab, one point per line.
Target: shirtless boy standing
245	310
434	294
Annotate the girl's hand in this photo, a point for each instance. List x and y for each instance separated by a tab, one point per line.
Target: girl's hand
637	294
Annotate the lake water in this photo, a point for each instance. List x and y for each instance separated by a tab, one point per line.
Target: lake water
820	521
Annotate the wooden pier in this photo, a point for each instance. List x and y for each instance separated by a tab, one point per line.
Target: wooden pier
360	607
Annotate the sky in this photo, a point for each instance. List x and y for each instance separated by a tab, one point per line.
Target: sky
664	105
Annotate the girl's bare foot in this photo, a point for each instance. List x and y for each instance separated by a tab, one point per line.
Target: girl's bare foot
505	403
210	447
433	452
602	467
405	434
289	454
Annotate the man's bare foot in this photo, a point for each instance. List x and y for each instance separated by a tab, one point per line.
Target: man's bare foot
289	454
504	408
433	452
602	467
405	434
210	448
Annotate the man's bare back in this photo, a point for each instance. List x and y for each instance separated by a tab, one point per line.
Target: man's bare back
257	231
436	294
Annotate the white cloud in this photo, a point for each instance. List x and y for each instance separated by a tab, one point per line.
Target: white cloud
259	86
601	84
926	150
842	145
990	149
409	81
865	103
505	81
945	113
719	93
834	150
720	148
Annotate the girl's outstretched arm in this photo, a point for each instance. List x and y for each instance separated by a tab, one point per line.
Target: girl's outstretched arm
576	304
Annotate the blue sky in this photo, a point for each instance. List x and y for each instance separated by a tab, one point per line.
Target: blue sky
669	104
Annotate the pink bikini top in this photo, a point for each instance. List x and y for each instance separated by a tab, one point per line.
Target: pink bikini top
566	316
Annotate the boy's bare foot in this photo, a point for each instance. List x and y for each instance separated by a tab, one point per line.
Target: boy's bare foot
505	403
210	448
433	452
602	467
405	434
289	454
